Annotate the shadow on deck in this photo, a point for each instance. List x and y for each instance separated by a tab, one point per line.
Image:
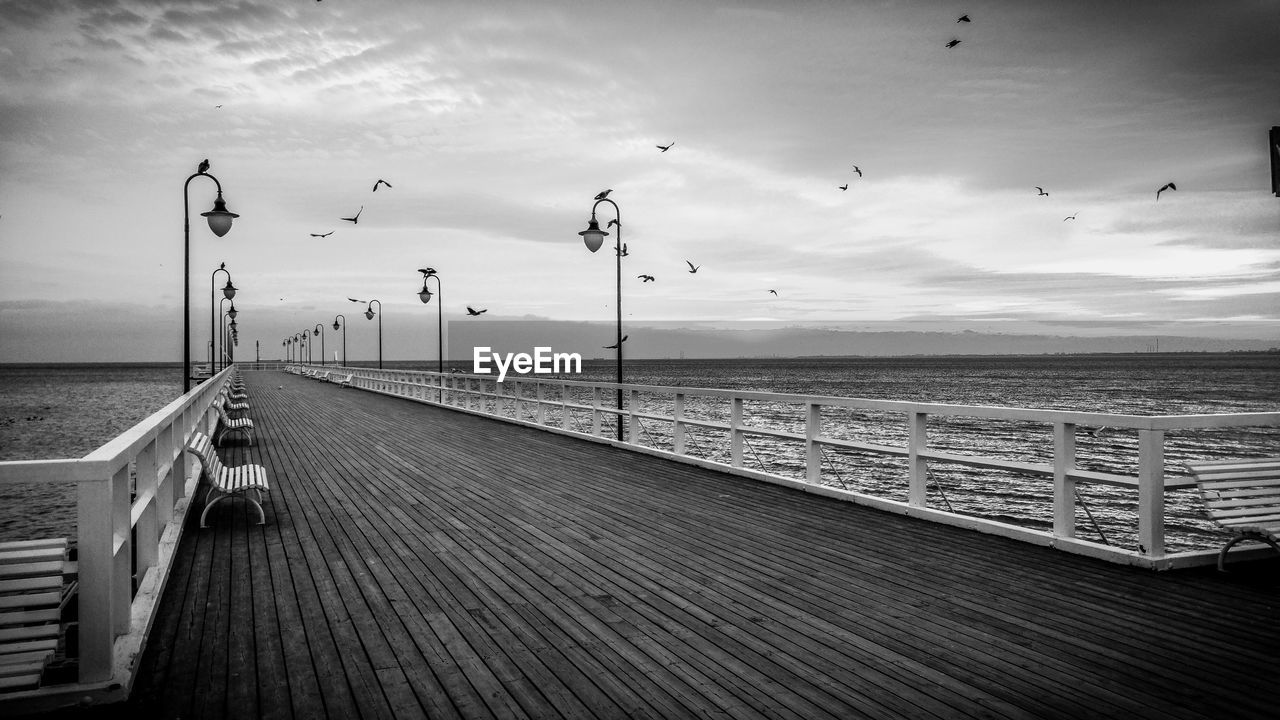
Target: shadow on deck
420	562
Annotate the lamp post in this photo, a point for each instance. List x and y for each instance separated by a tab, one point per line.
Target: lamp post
319	330
593	236
219	223
344	334
233	336
304	337
425	297
368	314
222	332
228	292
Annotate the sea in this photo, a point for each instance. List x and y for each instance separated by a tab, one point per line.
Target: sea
66	411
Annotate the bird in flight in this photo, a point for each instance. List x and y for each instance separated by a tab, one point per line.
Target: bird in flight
1071	217
623	252
204	166
380	182
1167	186
844	186
1041	192
352	300
954	42
857	170
604	194
473	312
217	106
692	268
646	278
615	345
612	222
775	292
666	147
322	236
355	219
964	18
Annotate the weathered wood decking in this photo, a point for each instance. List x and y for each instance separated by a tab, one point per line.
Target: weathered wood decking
420	562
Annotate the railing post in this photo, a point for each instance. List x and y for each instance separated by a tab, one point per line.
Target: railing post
678	437
917	466
633	422
566	419
94	545
148	527
1064	488
1151	493
540	413
595	411
813	449
735	433
165	485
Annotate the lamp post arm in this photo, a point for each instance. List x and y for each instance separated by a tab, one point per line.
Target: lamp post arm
371	302
186	278
617	251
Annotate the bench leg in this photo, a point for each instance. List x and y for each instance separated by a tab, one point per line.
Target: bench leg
209	507
1222	556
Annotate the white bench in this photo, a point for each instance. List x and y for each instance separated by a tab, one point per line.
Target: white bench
227	424
1242	496
227	481
33	590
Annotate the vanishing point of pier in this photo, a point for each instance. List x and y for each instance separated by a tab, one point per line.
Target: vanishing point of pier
418	561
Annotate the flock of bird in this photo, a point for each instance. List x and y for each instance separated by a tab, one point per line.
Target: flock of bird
623	252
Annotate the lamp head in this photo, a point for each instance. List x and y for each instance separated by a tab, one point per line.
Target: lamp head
593	236
425	295
219	217
229	291
233	312
368	313
335	324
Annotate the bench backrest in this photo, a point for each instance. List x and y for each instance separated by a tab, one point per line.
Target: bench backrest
202	447
1239	492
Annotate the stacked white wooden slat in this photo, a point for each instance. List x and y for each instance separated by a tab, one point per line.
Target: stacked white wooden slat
32	590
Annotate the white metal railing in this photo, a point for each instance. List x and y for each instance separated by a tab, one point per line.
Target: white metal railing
586	408
118	529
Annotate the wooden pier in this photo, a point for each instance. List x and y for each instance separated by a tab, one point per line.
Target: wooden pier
422	562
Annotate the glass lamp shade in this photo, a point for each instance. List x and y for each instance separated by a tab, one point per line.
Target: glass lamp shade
229	292
335	325
233	312
425	295
316	331
593	236
368	314
233	325
219	217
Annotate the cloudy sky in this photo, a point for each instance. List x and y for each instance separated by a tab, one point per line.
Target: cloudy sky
496	123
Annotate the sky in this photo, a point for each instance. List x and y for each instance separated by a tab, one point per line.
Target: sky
497	123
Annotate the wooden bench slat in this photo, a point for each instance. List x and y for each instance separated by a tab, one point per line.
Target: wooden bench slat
30	584
48	644
26	657
33	544
52	568
30	600
29	616
33	632
14	557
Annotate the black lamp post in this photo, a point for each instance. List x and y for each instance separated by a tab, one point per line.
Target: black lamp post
425	297
219	222
344	334
368	314
319	330
228	292
594	237
222	332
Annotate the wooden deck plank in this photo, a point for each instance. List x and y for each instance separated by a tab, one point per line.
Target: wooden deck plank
419	562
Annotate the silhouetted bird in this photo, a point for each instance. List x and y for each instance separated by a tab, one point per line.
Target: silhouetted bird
612	223
204	166
857	170
380	182
646	278
355	219
604	194
667	147
473	312
624	252
350	298
953	43
217	106
615	345
964	18
844	186
322	236
1167	186
427	271
1041	192
693	268
1071	217
775	292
